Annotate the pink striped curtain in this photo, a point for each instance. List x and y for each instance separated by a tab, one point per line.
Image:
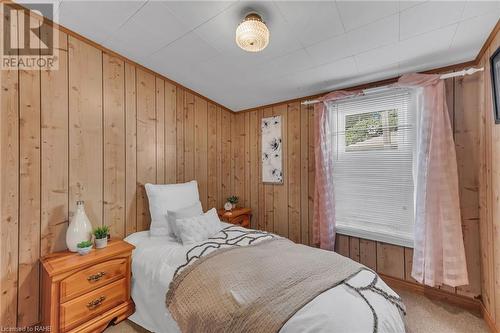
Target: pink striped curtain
438	255
323	227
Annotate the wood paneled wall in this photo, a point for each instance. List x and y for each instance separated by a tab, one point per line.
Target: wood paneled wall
288	209
489	198
97	129
100	127
285	209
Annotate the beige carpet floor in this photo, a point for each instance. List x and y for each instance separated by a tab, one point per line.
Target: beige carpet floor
423	316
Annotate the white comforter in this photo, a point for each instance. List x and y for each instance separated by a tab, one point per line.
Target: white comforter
340	309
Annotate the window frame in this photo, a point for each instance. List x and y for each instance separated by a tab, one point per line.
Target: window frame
400	238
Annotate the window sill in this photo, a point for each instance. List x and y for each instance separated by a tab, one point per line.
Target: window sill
400	239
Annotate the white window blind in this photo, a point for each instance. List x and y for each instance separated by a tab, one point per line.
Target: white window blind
374	139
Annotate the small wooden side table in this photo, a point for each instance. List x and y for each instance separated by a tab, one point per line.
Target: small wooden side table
238	216
86	293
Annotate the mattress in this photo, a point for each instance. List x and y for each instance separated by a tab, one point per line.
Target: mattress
340	309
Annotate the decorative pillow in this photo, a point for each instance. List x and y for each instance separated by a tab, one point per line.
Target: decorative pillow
185	212
168	197
198	228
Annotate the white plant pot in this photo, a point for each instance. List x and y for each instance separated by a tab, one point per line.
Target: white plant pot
79	229
84	250
101	243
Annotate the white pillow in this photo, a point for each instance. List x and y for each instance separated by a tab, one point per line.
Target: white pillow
185	212
198	228
168	197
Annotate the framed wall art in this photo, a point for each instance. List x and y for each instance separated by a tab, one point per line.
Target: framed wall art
272	152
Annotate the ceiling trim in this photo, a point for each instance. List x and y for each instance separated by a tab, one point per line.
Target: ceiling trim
104	49
440	70
488	42
449	68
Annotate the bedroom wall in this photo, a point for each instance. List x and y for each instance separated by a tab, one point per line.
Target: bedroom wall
288	209
489	186
101	126
96	129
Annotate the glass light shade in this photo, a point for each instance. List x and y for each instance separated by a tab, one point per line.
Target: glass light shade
252	34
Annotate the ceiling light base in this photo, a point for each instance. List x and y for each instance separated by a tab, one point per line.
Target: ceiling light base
252	35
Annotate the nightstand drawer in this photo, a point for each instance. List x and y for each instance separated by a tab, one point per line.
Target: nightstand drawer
83	308
92	278
238	216
241	220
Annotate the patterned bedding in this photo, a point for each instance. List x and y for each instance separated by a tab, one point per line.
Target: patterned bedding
362	303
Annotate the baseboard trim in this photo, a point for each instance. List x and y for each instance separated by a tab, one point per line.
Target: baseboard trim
467	303
489	321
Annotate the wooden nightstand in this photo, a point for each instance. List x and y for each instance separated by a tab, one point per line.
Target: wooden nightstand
87	293
238	216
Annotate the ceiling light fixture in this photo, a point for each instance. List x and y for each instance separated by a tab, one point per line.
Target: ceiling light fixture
252	34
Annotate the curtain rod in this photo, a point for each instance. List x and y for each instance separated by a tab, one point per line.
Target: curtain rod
464	72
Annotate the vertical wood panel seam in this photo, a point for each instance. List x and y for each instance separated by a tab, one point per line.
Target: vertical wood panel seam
184	109
300	173
103	140
453	108
206	160
68	122
41	183
164	133
175	136
404	263
156	132
136	148
124	161
18	178
125	233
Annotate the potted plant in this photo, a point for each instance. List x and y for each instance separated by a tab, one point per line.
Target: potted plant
84	247
233	200
101	237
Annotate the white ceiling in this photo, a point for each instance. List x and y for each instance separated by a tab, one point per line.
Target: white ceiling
314	47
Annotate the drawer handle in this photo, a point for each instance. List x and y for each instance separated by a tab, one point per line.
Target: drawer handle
96	277
95	303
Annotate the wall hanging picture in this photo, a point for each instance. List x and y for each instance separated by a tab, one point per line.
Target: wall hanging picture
495	84
272	164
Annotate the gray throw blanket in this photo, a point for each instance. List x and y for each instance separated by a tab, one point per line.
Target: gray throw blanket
254	288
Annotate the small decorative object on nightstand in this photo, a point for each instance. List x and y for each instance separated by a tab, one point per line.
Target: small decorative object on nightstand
228	206
84	247
79	229
87	293
233	200
101	236
238	216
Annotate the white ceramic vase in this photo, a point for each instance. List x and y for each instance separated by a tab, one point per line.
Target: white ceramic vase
79	229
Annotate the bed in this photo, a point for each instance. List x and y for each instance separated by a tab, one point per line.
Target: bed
362	303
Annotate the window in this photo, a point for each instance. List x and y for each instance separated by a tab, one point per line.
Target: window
371	130
373	138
